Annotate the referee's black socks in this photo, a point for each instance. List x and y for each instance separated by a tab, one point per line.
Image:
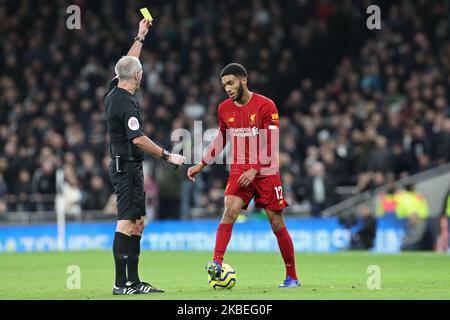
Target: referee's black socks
121	247
133	259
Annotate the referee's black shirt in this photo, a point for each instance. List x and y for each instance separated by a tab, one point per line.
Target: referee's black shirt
124	122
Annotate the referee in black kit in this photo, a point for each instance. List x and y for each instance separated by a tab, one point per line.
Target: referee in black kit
127	147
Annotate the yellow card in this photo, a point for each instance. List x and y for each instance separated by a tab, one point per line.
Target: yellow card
146	14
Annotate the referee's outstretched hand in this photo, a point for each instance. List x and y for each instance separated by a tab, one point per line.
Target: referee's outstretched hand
144	25
176	159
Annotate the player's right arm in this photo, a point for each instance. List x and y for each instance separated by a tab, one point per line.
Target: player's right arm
214	149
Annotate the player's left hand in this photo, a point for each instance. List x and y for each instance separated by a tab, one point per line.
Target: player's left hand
247	177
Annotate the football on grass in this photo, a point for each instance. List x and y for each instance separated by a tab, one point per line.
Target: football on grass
227	278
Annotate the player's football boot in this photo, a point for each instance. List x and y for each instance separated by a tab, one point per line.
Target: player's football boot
214	269
127	290
144	287
289	283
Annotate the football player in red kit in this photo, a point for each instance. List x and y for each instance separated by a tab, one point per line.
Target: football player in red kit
250	120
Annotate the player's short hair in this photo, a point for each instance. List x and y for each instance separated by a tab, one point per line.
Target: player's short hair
126	67
234	69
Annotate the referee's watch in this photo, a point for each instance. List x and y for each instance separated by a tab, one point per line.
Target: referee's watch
141	40
165	155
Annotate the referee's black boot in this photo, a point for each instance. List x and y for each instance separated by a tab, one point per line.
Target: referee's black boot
144	287
127	290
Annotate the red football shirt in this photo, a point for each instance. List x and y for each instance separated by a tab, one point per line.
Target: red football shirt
253	131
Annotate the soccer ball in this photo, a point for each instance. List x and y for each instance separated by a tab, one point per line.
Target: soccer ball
227	278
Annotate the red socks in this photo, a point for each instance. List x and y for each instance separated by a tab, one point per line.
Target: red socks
287	251
223	236
285	244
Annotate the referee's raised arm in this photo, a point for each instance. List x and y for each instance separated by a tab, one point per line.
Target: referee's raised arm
135	50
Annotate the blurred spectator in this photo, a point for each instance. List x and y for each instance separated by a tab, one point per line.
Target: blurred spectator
215	199
410	202
399	159
415	233
3	210
364	237
111	205
87	169
190	197
169	181
289	188
151	189
98	195
70	197
43	186
442	243
386	202
319	188
23	191
3	187
379	157
335	170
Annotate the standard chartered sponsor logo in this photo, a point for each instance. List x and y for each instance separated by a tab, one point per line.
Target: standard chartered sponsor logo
194	143
244	132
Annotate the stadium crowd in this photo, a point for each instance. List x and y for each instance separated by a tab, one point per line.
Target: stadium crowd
357	107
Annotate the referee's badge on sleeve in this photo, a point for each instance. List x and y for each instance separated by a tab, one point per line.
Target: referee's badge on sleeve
133	123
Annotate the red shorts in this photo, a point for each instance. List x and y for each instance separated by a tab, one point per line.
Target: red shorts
267	190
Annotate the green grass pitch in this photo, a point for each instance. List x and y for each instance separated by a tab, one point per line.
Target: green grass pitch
340	275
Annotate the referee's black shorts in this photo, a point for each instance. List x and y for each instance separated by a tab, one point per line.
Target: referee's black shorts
129	188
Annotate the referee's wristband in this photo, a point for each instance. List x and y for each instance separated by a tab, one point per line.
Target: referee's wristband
141	40
165	155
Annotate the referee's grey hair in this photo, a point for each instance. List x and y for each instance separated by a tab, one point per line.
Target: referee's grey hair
127	66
